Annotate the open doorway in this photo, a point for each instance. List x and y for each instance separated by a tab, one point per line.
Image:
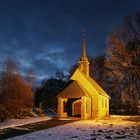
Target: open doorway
73	107
76	108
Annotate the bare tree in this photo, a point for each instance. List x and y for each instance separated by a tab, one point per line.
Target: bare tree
16	96
123	61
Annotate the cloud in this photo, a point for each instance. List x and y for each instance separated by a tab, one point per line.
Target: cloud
46	35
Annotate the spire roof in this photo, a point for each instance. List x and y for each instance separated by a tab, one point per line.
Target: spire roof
84	45
84	54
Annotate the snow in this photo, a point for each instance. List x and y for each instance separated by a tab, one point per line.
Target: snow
19	122
114	127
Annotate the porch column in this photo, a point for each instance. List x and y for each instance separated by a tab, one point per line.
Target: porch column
61	112
83	107
59	106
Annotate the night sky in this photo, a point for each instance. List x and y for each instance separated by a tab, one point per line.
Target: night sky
45	35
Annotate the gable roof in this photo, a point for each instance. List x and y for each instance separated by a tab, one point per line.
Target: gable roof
73	90
98	87
89	80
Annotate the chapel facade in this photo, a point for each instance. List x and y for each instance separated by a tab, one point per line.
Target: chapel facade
83	96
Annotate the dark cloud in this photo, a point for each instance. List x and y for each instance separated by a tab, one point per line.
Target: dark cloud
45	35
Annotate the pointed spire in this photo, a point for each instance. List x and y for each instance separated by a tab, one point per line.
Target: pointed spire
84	45
84	63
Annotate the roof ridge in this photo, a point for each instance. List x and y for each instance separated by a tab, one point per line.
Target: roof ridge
99	88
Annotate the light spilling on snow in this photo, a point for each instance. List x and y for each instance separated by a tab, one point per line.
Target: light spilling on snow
115	127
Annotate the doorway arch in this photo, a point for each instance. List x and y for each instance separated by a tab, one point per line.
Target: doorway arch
76	108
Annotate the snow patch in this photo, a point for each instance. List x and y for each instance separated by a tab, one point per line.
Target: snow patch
19	122
115	127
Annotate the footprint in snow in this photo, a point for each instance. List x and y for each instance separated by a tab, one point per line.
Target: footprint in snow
93	139
126	128
100	130
49	134
111	125
131	134
95	134
123	131
118	133
75	137
120	137
108	137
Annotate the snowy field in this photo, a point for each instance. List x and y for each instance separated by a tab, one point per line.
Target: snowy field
115	127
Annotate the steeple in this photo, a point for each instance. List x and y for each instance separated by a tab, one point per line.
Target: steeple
84	63
84	46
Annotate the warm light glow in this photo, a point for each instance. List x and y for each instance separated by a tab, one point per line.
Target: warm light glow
93	102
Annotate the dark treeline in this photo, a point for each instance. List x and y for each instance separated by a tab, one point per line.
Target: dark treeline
46	94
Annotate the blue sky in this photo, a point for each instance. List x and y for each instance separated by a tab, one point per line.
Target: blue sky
45	35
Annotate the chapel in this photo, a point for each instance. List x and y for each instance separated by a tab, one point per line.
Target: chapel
83	96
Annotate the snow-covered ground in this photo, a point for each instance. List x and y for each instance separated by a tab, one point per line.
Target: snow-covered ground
19	122
115	127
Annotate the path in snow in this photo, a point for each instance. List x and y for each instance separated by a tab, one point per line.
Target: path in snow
19	122
28	128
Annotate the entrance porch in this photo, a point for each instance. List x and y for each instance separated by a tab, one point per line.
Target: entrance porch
75	107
